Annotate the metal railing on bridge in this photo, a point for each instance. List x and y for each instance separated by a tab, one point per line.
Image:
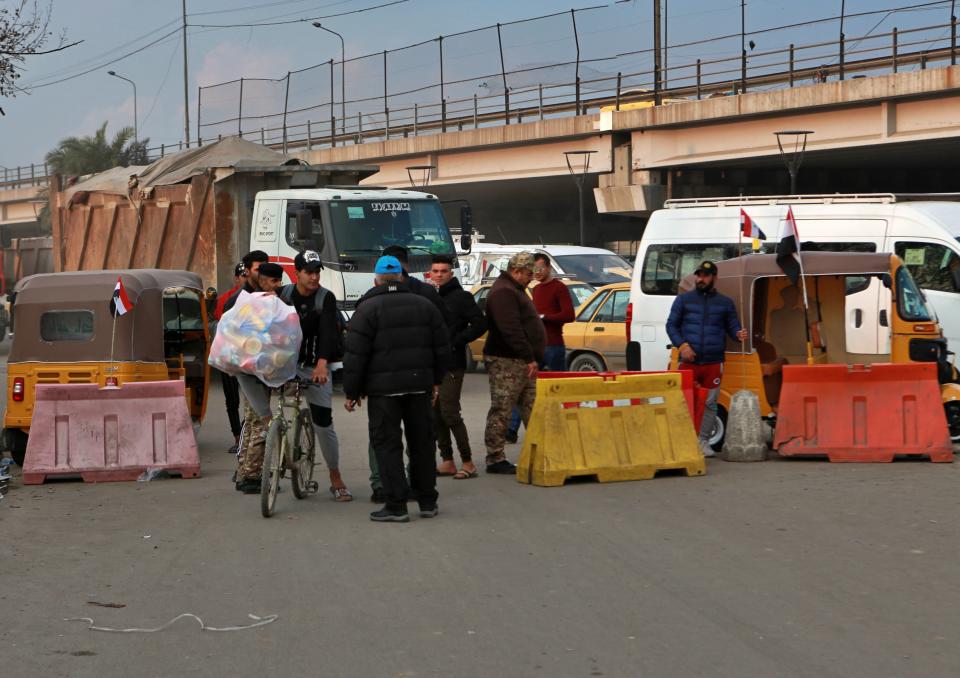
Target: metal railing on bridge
301	110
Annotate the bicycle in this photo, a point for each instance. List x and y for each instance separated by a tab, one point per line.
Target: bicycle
291	423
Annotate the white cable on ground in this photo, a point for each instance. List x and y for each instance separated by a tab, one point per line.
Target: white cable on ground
258	621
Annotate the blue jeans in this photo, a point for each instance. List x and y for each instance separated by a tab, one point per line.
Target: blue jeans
554	360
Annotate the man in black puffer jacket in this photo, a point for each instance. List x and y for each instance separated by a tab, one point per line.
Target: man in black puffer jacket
397	351
465	322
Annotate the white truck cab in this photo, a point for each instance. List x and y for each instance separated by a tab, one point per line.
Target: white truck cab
350	226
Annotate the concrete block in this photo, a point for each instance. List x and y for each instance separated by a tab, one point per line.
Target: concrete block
746	432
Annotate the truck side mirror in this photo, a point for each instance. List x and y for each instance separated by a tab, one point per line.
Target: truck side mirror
304	225
466	227
886	280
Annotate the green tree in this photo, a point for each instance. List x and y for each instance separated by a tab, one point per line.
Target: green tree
86	155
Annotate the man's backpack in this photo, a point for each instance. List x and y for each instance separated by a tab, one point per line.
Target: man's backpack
286	294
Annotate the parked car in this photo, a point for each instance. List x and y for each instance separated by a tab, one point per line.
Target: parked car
597	340
579	292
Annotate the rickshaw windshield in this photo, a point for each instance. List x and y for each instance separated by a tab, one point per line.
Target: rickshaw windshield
910	301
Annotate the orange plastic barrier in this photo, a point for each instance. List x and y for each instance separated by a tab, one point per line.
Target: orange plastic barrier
862	413
108	434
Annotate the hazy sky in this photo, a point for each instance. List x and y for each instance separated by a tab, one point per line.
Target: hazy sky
35	121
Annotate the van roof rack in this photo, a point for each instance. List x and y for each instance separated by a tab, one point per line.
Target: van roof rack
821	199
356	187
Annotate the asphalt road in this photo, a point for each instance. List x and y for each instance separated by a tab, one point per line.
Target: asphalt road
785	568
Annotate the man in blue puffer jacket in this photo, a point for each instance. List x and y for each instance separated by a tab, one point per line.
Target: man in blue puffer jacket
699	323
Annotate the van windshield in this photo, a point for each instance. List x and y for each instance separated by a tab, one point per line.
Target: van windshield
368	226
596	269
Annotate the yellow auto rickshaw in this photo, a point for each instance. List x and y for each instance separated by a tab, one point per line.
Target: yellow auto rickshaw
65	332
862	308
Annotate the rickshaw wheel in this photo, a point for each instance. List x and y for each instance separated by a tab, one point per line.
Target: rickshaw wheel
720	430
952	410
16	443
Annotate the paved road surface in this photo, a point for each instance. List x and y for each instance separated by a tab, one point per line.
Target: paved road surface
777	569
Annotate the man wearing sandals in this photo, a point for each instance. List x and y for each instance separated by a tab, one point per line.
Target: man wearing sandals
515	346
317	308
465	322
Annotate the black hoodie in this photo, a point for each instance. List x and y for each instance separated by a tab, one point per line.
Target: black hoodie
465	320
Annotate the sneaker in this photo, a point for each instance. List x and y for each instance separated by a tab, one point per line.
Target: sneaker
511	437
378	497
429	511
233	450
249	486
386	516
502	467
706	450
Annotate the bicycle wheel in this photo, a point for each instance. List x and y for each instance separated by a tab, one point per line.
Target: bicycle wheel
272	465
304	455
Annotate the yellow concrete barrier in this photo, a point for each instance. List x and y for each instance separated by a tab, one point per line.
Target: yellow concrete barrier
626	428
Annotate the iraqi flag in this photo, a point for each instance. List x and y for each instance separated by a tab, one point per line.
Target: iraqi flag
749	228
788	251
120	304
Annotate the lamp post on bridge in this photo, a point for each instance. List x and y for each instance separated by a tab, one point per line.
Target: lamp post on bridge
343	76
795	158
136	133
578	163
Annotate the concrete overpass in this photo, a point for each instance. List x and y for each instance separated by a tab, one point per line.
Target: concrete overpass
897	132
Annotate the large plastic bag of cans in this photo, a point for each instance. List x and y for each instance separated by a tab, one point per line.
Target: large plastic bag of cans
259	336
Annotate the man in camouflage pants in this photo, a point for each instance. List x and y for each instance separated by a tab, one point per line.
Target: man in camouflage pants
515	344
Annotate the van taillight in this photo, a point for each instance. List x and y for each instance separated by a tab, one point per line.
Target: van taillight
629	319
18	390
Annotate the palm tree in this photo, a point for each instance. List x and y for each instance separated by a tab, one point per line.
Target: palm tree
85	155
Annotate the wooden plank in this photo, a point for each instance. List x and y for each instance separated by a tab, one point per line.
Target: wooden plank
114	210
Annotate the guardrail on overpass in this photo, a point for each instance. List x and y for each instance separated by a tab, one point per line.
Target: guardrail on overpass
862	56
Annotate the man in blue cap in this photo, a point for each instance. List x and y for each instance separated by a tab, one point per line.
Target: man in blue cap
396	353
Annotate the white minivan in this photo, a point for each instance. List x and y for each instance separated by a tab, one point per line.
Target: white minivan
924	233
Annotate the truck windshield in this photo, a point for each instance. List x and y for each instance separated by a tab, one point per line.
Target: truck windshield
596	269
367	226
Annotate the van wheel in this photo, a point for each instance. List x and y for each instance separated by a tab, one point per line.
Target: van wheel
952	410
16	443
719	430
587	362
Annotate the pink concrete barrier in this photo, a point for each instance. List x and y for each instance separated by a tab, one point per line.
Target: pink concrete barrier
110	434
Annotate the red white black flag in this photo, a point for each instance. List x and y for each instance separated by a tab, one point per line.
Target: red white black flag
788	251
120	304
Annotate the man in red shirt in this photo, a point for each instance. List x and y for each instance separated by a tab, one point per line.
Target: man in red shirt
553	302
555	306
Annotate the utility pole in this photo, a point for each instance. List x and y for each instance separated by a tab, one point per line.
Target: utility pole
656	52
186	82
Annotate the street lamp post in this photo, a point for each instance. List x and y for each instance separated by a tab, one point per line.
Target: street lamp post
343	75
795	157
578	163
136	132
425	173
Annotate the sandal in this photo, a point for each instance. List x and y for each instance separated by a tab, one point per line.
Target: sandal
341	494
464	474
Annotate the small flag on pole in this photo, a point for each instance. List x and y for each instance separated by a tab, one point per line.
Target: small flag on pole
788	251
120	304
749	227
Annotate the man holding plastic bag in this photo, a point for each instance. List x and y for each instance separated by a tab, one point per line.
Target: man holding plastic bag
258	340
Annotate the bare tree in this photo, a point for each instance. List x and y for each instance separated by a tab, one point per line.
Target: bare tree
24	31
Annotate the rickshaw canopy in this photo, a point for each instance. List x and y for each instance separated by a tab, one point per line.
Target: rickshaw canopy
734	275
66	317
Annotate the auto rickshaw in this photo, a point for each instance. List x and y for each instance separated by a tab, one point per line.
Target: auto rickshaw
863	308
65	332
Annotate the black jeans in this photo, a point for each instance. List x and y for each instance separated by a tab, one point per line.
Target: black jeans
386	414
231	397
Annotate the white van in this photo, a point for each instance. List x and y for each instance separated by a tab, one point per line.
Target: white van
593	265
924	233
